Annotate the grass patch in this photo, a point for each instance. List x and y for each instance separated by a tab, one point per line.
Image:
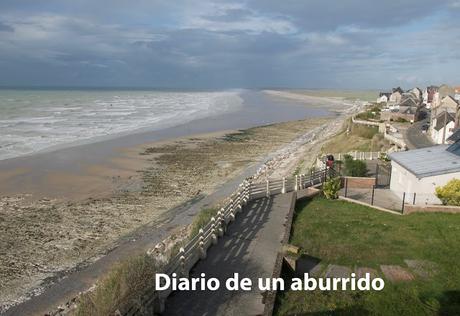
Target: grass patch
240	136
359	138
202	219
121	288
347	234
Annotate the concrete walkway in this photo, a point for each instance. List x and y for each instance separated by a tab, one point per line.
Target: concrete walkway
249	248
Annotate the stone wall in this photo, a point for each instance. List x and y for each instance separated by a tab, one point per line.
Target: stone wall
359	182
408	209
393	116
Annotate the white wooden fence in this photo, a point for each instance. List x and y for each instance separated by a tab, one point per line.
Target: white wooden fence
356	155
196	248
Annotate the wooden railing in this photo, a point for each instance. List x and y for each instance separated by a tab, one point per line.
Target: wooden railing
356	155
196	248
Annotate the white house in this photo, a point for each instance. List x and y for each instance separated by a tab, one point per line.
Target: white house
436	101
417	93
395	97
382	99
442	127
420	171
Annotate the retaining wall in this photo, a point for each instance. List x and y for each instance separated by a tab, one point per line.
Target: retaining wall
408	209
359	182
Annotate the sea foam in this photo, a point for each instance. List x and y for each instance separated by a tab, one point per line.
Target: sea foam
33	120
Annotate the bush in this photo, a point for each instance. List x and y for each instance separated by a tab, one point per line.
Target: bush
331	188
401	120
450	193
354	168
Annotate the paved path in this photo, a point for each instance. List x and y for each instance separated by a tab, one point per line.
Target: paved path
138	242
415	138
249	248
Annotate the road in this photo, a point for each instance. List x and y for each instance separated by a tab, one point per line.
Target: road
414	137
249	248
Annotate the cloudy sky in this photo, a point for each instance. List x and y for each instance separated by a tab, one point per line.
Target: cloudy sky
229	44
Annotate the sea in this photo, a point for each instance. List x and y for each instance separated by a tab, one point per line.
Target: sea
36	120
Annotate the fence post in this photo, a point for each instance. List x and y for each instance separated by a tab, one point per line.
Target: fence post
246	192
232	211
300	182
296	184
220	219
268	188
213	231
377	174
373	192
346	187
182	262
283	190
403	202
201	245
413	202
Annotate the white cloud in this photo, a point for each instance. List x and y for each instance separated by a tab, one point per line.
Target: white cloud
212	18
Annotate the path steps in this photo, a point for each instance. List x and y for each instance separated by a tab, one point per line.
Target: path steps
396	273
249	247
393	273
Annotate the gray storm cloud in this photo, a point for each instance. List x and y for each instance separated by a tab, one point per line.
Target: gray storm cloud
221	44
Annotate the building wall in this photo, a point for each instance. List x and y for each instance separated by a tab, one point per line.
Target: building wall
437	136
393	116
359	182
395	97
382	99
404	181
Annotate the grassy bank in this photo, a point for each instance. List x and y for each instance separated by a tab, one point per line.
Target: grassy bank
338	232
120	289
356	137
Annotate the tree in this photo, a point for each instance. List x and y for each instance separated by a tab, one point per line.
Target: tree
450	193
355	168
331	188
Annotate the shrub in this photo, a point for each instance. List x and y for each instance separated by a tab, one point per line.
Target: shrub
401	120
355	168
331	188
450	193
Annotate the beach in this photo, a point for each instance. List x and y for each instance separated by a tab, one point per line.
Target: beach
64	209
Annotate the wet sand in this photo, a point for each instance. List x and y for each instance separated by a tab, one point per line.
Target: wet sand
66	208
100	168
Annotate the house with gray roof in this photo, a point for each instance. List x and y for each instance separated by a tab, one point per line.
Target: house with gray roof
420	171
442	127
455	137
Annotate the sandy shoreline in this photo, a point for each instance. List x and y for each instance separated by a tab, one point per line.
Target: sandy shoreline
41	236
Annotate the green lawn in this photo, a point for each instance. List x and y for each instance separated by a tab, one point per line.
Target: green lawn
343	233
